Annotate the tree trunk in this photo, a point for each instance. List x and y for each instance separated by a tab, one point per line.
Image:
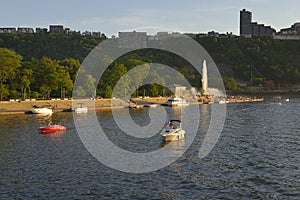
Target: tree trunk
24	93
1	91
48	95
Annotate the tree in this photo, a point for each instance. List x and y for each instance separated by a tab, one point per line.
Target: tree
108	92
25	76
36	81
153	90
85	85
156	86
79	92
63	80
4	91
110	78
10	61
72	66
230	84
48	76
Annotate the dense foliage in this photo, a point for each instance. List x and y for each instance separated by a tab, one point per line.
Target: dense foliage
55	46
45	66
260	58
9	64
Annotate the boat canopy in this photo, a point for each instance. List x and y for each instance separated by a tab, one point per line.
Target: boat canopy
175	120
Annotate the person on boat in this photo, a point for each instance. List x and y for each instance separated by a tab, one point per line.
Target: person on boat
171	125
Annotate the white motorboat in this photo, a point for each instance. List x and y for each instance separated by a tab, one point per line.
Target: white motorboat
41	110
81	109
173	131
176	101
135	106
221	100
278	100
150	105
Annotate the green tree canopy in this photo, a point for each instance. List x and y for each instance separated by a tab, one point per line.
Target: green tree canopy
71	66
50	76
10	61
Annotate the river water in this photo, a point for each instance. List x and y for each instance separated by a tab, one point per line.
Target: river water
257	156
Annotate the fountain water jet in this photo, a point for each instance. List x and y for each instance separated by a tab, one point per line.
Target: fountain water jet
205	88
204	78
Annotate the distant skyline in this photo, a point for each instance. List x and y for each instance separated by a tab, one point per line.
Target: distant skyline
112	16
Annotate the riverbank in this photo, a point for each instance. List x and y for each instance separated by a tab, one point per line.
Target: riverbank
23	107
266	93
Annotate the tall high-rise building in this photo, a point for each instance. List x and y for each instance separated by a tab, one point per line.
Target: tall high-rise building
249	28
245	23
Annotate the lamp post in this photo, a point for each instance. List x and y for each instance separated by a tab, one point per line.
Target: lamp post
62	92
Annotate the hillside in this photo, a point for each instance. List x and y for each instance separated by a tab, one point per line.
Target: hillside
57	46
256	61
277	60
273	59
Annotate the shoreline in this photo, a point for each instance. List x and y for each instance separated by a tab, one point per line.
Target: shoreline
24	107
265	93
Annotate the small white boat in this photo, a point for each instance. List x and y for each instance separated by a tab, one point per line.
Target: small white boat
287	99
81	109
278	100
41	110
176	101
222	101
173	131
135	106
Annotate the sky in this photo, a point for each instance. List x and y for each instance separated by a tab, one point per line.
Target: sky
113	16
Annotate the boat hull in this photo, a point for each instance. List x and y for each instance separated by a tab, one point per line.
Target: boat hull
175	135
135	106
45	111
150	105
52	129
176	102
81	110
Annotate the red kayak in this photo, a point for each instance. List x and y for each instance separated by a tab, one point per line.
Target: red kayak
52	129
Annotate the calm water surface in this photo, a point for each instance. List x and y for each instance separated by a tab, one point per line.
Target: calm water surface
257	156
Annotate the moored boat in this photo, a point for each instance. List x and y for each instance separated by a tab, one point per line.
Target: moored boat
221	100
135	106
150	105
41	110
176	101
52	129
81	109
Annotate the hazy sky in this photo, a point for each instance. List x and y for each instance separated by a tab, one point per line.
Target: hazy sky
112	16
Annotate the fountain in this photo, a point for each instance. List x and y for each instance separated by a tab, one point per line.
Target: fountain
207	91
204	78
205	88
